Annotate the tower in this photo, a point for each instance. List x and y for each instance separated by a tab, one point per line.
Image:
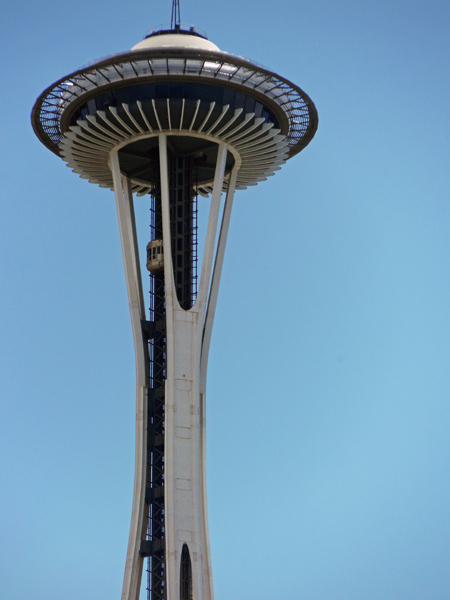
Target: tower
172	119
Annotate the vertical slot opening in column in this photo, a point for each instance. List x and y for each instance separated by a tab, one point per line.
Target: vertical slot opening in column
185	575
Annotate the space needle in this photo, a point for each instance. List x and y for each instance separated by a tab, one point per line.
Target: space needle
170	120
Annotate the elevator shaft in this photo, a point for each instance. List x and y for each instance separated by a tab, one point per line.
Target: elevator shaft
183	228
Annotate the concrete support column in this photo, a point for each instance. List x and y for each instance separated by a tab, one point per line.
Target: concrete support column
184	493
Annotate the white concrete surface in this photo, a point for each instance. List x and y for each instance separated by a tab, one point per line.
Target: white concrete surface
188	333
125	212
175	40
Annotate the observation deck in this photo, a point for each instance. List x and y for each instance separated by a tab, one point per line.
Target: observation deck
178	82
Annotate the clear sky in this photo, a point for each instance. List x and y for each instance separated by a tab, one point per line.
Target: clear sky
329	378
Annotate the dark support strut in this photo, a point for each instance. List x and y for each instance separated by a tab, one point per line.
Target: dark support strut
156	415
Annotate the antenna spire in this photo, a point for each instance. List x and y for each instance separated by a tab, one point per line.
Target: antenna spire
175	21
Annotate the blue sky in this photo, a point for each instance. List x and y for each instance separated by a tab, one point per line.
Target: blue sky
329	378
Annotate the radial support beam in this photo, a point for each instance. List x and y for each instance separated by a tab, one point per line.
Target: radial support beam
127	226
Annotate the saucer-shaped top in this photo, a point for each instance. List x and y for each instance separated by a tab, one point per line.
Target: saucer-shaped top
181	84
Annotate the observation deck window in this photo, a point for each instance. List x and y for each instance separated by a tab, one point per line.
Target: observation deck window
146	92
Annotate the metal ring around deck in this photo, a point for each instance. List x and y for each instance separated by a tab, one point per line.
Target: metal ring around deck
294	109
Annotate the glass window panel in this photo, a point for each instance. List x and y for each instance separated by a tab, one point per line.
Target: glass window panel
175	90
161	90
249	104
100	102
222	75
216	94
227	70
176	66
242	74
135	93
193	66
147	90
282	99
203	93
128	71
111	99
122	95
228	96
159	65
239	100
258	109
267	85
257	78
210	68
189	91
91	107
142	66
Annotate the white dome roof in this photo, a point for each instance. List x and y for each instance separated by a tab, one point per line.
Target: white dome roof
179	40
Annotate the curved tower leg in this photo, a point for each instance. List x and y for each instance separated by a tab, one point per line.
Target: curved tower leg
207	331
127	226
